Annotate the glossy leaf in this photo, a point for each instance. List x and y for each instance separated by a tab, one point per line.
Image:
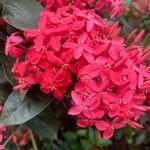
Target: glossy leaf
2	76
5	90
7	64
22	14
20	107
45	125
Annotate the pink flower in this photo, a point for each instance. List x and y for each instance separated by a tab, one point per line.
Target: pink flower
74	50
55	83
25	82
81	47
55	43
91	20
84	106
11	46
109	128
115	46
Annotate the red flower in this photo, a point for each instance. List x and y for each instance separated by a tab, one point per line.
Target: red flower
109	128
84	106
55	83
81	47
75	46
11	45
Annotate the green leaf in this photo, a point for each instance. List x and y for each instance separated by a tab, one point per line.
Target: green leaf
2	76
5	90
45	125
90	134
147	40
103	143
118	135
7	64
22	14
11	146
86	144
127	26
20	107
140	138
69	136
2	36
82	133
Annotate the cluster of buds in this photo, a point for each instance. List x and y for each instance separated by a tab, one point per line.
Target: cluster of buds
75	45
141	8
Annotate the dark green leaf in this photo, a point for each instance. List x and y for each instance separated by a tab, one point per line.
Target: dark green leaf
22	14
91	133
118	135
7	64
11	146
140	139
20	107
147	40
103	143
127	26
86	144
2	76
82	133
45	125
5	90
69	136
2	36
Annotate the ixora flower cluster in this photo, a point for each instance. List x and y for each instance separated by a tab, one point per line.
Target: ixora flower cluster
75	47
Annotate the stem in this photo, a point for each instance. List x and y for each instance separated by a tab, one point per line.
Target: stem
33	140
10	137
18	147
98	135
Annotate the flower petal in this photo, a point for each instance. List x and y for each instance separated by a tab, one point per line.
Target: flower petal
89	25
128	96
114	110
76	98
78	52
82	38
74	111
78	25
102	125
88	113
109	96
55	43
108	133
83	123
